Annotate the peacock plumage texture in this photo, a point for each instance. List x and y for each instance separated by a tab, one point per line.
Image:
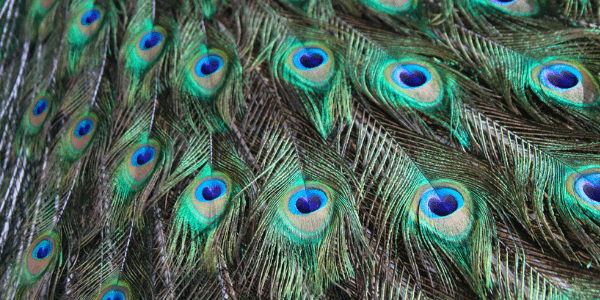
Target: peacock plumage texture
299	149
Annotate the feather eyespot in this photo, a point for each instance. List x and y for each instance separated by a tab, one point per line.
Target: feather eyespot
208	65
566	82
441	202
150	40
40	254
209	70
585	187
142	160
411	76
40	107
42	250
114	295
90	20
560	77
312	64
588	188
114	292
143	156
308	207
83	128
150	44
307	201
310	58
418	81
445	207
517	7
38	111
90	17
82	132
209	195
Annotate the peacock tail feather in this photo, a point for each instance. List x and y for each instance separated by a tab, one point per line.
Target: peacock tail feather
291	149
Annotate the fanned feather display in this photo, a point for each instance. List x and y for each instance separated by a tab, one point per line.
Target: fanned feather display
291	149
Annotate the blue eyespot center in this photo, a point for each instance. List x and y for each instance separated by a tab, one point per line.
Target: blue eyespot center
307	201
592	191
443	207
311	61
208	65
502	2
114	295
90	17
83	128
150	40
307	206
560	77
441	202
310	58
588	188
563	80
414	79
210	190
40	107
143	156
42	250
411	76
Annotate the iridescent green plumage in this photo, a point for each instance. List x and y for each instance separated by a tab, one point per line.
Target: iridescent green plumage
286	149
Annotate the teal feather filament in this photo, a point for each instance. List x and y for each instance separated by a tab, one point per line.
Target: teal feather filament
38	10
445	208
566	82
208	72
307	208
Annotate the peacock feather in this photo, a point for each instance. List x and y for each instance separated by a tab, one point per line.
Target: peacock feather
291	149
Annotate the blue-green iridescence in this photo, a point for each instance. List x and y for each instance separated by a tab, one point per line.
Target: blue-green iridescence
208	65
114	295
310	58
40	107
411	76
90	16
210	190
42	250
150	40
84	127
143	156
439	203
588	188
560	77
503	2
307	201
